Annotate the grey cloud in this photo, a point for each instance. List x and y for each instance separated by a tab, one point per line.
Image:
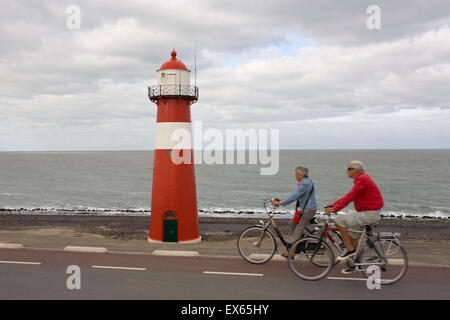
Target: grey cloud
335	66
332	81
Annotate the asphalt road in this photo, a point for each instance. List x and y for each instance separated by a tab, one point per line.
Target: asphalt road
40	274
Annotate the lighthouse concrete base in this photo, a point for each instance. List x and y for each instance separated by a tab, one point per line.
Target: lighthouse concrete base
199	239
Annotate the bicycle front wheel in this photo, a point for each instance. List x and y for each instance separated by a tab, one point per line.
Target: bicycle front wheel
310	258
390	258
256	245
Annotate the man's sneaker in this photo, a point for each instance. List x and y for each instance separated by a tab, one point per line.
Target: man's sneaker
347	255
349	270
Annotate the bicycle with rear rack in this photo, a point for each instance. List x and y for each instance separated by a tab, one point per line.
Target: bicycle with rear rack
257	244
311	257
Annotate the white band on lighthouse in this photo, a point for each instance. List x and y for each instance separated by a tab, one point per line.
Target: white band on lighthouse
173	135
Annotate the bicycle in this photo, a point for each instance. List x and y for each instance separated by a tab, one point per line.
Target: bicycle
257	244
316	258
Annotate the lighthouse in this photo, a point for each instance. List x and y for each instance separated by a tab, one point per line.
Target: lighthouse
174	216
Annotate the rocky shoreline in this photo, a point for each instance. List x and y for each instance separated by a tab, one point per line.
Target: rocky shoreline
211	228
206	213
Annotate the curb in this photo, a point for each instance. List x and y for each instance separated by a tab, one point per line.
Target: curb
174	253
85	249
13	246
276	257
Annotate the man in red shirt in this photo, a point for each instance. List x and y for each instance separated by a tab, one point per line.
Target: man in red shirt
368	201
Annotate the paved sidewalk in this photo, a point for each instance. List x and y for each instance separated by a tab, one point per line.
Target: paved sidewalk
420	252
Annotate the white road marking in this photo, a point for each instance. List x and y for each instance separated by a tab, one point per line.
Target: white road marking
340	278
234	273
20	262
86	249
11	246
119	268
398	262
174	253
261	256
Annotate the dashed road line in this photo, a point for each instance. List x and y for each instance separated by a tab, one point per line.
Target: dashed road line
119	268
351	279
234	273
20	262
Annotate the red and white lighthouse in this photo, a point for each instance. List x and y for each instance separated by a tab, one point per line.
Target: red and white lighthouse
174	216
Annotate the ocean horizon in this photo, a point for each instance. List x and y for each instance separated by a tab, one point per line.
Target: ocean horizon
414	182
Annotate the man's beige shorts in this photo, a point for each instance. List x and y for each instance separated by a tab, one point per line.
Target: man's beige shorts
357	221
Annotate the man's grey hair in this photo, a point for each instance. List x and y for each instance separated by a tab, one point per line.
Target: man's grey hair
358	165
302	170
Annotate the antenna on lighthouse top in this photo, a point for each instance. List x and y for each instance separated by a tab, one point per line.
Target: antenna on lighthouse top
195	63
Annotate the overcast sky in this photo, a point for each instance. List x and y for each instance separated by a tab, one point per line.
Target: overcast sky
312	69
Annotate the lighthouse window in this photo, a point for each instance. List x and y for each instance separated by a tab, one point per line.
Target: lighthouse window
170	215
163	75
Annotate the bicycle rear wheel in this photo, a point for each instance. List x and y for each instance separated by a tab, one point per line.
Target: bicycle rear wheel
256	245
310	258
392	264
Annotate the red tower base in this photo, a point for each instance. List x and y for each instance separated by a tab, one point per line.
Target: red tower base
199	239
174	215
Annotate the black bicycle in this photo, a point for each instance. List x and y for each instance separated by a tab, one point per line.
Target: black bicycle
257	244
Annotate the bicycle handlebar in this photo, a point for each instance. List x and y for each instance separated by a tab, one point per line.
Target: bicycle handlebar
269	201
329	215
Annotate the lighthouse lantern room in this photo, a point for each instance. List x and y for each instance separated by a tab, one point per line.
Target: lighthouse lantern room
173	80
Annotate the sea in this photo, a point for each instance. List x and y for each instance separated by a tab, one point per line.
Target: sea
415	183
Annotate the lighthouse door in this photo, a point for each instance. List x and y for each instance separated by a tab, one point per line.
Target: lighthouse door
170	227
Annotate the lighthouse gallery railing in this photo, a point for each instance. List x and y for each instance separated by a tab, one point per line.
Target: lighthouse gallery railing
154	92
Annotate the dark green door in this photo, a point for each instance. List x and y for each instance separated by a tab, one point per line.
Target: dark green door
170	230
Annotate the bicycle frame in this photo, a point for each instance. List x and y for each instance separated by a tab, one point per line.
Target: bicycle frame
324	233
366	240
271	222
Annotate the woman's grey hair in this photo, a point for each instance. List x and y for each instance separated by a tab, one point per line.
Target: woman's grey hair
302	170
358	165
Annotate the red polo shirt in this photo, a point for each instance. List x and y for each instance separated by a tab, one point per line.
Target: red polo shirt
364	194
